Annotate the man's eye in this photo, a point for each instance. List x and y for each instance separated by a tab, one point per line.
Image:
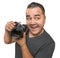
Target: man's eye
37	18
28	18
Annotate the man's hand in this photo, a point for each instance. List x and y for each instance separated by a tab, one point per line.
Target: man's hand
9	26
7	37
21	41
25	51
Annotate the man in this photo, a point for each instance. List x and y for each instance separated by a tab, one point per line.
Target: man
36	42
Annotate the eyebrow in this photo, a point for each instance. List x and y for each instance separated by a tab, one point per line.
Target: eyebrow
27	15
34	15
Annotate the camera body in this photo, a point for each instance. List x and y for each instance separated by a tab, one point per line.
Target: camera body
18	30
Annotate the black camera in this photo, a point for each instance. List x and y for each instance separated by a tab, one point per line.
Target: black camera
18	30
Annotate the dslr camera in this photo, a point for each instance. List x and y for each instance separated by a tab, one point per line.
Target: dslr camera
18	30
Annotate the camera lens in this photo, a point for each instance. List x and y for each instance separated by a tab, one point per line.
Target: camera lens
18	31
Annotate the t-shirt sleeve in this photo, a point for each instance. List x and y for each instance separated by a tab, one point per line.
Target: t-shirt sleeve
46	51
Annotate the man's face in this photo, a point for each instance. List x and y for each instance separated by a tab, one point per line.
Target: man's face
35	20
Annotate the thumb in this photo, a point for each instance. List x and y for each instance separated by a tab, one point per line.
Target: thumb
24	35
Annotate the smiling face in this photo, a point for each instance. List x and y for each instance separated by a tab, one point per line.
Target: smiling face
35	20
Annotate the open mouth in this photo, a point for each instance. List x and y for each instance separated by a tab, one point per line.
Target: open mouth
34	27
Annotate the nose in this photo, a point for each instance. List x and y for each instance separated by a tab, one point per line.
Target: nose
32	21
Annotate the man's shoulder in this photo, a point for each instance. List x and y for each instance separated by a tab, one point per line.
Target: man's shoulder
45	38
48	37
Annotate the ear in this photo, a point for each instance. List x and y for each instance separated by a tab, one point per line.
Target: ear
44	19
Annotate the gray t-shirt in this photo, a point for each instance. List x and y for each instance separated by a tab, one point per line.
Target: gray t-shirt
41	46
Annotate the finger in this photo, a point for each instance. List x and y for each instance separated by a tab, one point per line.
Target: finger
10	25
24	35
8	29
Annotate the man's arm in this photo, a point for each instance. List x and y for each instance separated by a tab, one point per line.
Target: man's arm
46	51
7	38
25	52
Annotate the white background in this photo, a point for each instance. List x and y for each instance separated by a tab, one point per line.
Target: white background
14	10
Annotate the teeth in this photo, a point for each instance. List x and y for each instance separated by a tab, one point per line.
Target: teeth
34	26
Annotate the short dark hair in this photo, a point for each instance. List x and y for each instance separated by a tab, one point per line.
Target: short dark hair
34	4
